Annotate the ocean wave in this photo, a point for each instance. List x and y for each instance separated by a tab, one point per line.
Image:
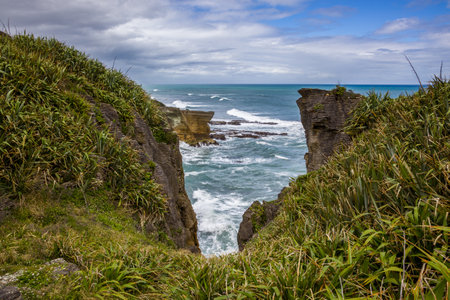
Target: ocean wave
214	96
193	173
190	94
217	217
183	105
224	98
281	157
155	90
237	161
260	119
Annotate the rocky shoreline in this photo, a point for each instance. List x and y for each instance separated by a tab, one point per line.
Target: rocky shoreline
193	127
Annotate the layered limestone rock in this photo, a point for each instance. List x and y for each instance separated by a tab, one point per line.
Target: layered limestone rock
323	115
191	126
180	222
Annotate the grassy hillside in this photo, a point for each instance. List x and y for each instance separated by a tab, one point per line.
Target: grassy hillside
372	223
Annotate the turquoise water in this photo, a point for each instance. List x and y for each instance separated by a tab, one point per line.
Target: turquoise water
222	181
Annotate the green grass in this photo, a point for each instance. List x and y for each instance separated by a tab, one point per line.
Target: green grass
52	131
371	224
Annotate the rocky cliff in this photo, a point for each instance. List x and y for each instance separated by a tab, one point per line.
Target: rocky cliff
180	222
191	126
323	115
256	217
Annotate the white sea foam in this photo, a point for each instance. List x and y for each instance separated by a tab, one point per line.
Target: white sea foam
216	220
155	90
238	161
224	98
180	104
281	157
214	96
194	173
183	105
255	118
190	94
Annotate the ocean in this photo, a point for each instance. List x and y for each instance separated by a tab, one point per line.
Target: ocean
223	180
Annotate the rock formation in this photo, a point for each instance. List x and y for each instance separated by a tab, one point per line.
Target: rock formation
256	217
180	223
191	126
323	115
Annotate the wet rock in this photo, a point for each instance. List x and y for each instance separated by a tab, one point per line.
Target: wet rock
217	123
235	122
223	134
218	136
323	115
10	293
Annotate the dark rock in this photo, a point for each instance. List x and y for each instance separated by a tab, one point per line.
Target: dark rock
222	134
255	218
234	122
247	135
10	293
240	122
180	222
323	115
191	126
218	136
217	122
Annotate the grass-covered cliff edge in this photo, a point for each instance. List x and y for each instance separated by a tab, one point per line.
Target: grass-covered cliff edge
372	223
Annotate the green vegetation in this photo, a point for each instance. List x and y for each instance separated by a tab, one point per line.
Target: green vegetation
339	90
371	224
53	132
318	106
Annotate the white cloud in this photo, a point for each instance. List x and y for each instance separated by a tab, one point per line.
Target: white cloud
207	41
398	25
336	11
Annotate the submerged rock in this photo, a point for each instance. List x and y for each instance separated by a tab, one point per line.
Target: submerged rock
323	115
223	134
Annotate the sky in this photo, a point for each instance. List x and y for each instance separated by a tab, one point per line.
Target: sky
248	41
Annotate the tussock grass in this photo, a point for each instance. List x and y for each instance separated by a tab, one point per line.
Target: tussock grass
371	224
51	129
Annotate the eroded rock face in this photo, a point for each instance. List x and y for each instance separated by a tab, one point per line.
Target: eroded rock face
180	222
191	126
256	217
323	115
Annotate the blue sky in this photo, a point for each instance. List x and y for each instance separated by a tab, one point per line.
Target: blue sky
248	41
